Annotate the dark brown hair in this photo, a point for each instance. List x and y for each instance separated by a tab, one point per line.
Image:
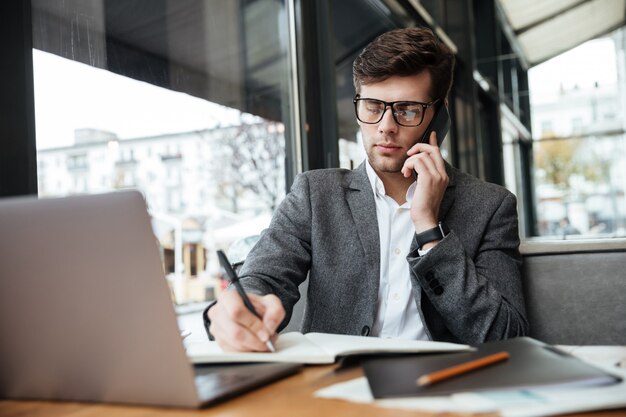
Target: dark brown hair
406	52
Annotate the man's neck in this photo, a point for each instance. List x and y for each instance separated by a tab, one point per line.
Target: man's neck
396	185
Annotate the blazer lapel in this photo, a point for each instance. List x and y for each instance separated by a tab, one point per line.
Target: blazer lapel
360	198
363	208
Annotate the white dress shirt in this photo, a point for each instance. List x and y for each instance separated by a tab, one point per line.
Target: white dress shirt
396	312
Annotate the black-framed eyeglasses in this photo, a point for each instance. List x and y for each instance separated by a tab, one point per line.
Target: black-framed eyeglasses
405	113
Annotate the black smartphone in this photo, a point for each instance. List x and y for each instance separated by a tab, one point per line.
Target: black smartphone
440	124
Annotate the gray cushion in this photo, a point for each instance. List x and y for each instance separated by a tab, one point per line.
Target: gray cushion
575	292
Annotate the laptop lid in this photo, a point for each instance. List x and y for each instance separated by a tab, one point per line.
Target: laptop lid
85	310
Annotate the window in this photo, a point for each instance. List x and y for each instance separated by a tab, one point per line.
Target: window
579	171
183	100
76	162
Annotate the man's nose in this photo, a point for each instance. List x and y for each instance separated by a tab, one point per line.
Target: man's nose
387	123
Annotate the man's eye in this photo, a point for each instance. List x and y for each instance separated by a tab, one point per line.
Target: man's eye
407	114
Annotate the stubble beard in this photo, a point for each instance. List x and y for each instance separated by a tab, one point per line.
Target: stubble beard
385	164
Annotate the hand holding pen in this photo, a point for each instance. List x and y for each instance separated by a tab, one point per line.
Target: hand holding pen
235	321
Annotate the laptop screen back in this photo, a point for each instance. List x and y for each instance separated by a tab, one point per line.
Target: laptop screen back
85	310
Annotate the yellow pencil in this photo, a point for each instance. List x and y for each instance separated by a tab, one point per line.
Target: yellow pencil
447	373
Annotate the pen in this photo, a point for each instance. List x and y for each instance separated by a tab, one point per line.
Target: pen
444	374
235	280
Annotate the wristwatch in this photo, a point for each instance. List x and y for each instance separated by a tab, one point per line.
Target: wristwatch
436	233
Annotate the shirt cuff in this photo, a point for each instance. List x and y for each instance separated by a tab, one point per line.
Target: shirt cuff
423	252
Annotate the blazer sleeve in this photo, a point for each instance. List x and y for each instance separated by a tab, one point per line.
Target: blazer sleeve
476	299
281	259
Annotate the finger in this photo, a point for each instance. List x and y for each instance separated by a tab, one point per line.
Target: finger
438	158
413	164
425	167
274	312
240	338
240	314
417	148
230	335
422	147
271	310
408	167
433	139
435	153
235	310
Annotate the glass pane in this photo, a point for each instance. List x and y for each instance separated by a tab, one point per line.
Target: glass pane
580	147
186	101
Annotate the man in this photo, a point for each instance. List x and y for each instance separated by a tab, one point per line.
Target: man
378	260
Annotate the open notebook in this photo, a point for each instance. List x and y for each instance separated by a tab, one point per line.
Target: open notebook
317	348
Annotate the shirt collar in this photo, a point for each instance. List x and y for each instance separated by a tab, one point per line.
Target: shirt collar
377	185
378	188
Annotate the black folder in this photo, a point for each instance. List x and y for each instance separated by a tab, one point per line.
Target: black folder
531	364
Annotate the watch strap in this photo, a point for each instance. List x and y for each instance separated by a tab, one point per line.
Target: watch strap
430	235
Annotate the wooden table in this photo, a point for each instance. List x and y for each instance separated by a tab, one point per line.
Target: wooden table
291	397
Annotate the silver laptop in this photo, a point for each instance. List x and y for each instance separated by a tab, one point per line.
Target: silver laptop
86	313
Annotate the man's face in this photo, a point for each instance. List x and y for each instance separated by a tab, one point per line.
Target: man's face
386	142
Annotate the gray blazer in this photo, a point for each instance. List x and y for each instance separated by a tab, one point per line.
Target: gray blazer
467	288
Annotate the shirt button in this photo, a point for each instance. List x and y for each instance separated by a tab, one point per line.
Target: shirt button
397	251
396	296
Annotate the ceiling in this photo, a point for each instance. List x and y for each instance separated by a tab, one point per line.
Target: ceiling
546	28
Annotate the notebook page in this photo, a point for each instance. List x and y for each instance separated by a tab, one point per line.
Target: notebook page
343	345
290	347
